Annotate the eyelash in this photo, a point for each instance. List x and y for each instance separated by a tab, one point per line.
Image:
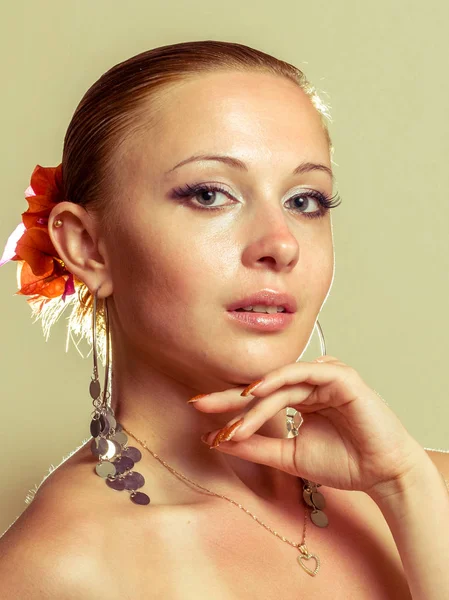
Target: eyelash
189	191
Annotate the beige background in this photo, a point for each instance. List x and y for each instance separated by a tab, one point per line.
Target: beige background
383	68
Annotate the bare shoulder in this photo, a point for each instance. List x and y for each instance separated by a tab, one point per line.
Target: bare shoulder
46	552
74	538
440	459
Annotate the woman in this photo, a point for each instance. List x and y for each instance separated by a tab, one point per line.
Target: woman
196	183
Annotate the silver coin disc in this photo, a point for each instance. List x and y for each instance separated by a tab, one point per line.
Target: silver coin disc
319	518
94	389
120	437
113	449
306	496
318	500
105	468
111	420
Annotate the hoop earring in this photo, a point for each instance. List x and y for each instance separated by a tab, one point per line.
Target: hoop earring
293	418
110	443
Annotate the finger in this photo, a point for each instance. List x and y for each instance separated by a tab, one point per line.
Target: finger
307	373
273	452
227	401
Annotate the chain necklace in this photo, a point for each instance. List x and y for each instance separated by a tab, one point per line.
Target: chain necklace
311	497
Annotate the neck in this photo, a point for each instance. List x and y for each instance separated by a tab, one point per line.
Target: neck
153	406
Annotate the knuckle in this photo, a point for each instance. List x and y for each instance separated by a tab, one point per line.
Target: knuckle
352	371
326	358
349	374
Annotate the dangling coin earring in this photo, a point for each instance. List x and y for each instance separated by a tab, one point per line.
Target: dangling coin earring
110	443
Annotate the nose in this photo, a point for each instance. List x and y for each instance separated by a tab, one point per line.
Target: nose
272	244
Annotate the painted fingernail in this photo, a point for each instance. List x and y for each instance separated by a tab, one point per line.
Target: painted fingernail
196	398
226	434
247	391
205	437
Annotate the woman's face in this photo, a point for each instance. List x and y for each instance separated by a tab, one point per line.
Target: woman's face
177	263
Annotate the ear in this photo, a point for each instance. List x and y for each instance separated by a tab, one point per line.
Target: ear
79	246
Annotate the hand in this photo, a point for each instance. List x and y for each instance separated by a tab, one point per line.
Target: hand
349	438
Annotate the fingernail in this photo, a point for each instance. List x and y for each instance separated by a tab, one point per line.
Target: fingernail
226	434
204	439
247	391
196	398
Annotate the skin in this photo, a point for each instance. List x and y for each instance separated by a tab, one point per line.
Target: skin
169	270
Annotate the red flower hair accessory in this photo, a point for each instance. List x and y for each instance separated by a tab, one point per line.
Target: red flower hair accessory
41	272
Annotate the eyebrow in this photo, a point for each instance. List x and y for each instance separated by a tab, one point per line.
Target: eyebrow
304	167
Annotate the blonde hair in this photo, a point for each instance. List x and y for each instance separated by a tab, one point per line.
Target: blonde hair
123	100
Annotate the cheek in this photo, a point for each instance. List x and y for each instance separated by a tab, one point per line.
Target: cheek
167	289
316	266
164	268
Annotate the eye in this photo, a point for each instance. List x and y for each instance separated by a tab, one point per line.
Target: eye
323	201
203	192
206	193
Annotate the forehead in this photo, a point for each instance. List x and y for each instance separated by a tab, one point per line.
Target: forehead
257	117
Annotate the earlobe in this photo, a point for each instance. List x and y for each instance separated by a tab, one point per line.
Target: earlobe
73	233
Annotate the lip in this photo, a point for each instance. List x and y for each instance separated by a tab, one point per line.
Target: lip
266	297
262	321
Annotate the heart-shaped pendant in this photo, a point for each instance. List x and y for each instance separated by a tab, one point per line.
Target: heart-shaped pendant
308	556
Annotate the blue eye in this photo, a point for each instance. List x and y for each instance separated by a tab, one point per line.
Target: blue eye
200	191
